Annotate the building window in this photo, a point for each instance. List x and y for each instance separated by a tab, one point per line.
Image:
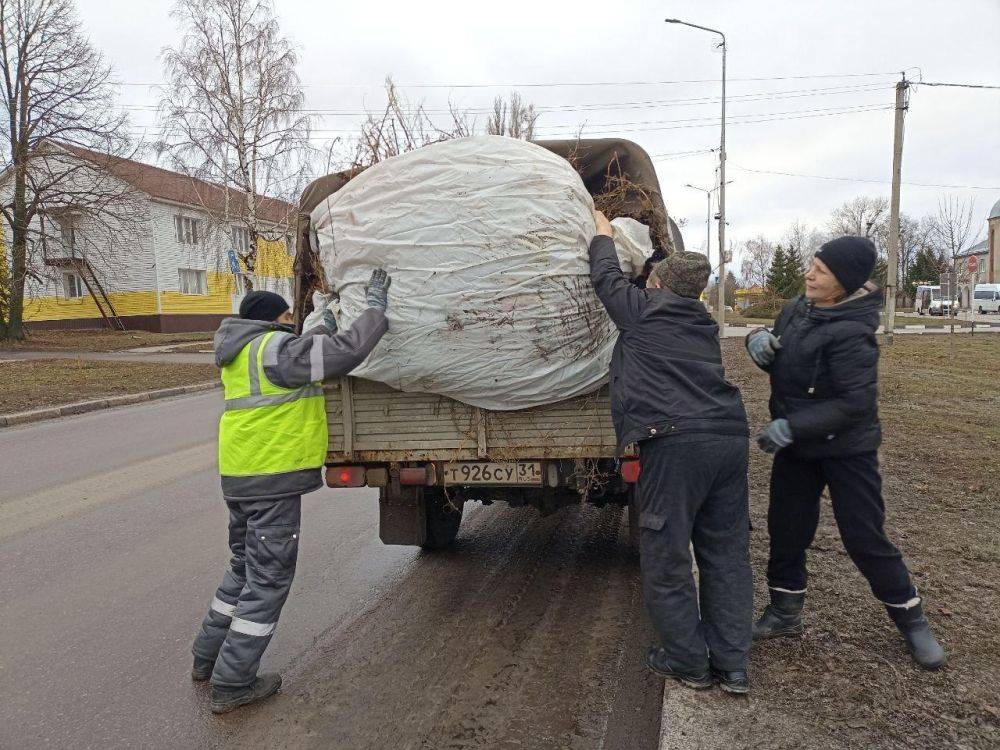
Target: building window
67	230
188	230
193	281
982	265
72	285
241	241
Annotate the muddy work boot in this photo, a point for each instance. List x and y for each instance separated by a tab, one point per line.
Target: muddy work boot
264	686
912	623
656	660
782	617
201	670
735	682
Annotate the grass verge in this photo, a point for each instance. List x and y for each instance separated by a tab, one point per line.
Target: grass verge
100	340
849	681
55	382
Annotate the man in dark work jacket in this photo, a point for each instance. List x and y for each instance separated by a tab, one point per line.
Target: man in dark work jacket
669	394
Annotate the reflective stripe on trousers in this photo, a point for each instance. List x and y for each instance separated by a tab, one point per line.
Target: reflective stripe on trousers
264	538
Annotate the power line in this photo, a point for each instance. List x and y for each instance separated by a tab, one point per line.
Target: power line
861	179
957	85
715	119
564	83
587	106
556	130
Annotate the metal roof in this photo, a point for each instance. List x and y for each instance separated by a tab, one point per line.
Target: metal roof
978	249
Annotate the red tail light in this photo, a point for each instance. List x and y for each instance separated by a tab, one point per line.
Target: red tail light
414	475
631	471
345	476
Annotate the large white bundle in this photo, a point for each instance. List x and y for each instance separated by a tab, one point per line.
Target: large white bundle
486	242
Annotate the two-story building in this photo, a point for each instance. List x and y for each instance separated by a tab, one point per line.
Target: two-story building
980	263
179	268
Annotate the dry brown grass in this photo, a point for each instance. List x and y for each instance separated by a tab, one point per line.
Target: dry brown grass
100	340
848	682
33	384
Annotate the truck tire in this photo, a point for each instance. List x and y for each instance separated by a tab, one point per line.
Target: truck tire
444	516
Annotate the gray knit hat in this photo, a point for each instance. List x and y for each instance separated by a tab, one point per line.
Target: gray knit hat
684	273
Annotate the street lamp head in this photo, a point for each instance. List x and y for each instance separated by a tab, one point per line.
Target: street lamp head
672	20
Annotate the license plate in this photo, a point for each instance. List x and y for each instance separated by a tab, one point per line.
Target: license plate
515	472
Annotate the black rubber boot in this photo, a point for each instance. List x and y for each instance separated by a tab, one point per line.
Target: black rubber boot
912	623
736	682
201	670
782	617
656	660
264	686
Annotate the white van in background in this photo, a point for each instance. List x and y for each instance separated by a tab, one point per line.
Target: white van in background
928	300
986	298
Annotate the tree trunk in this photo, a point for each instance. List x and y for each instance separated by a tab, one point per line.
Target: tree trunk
14	329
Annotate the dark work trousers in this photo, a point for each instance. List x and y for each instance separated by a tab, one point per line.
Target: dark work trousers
856	493
264	539
693	490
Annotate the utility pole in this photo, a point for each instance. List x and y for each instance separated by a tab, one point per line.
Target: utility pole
892	265
721	317
720	313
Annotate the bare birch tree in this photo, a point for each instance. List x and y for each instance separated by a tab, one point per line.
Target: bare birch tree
951	227
233	114
863	216
757	254
59	99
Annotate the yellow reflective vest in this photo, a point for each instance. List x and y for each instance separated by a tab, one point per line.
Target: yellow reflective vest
267	429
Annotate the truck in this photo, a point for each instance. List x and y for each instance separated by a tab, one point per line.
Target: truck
429	454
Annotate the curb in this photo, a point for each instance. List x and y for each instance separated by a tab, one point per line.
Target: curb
82	407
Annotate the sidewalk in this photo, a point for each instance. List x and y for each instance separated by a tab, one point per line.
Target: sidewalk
181	358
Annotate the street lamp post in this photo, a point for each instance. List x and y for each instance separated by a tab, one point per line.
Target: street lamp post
708	218
720	315
708	214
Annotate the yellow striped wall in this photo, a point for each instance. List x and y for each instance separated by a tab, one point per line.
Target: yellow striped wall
59	308
274	265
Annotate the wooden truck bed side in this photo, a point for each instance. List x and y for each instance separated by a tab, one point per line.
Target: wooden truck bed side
370	421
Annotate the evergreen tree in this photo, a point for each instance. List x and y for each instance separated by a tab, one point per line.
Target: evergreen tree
795	277
926	269
777	282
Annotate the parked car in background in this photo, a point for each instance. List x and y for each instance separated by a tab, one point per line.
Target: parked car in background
986	298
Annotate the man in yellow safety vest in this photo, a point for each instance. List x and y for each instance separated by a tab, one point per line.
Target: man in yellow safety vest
272	446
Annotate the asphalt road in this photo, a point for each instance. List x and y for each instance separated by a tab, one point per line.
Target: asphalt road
112	540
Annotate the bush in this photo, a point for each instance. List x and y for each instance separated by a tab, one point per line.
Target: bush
768	309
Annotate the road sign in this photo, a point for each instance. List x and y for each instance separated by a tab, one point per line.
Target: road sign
947	284
234	263
973	264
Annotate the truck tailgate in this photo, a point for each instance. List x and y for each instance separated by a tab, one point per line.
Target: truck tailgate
370	421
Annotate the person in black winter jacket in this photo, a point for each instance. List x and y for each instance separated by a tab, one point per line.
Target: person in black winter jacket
822	357
669	395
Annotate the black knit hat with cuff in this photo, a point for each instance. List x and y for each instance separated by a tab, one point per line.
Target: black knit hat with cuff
851	259
262	306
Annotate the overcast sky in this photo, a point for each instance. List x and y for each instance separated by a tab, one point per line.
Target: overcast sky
830	56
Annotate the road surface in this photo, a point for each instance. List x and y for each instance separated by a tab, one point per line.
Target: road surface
528	634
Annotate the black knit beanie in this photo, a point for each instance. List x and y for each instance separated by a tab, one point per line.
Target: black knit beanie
851	259
262	306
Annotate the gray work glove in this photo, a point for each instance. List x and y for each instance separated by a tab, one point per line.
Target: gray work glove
329	319
377	291
762	345
775	436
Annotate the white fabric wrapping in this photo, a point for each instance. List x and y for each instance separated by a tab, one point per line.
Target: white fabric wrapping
486	241
633	244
